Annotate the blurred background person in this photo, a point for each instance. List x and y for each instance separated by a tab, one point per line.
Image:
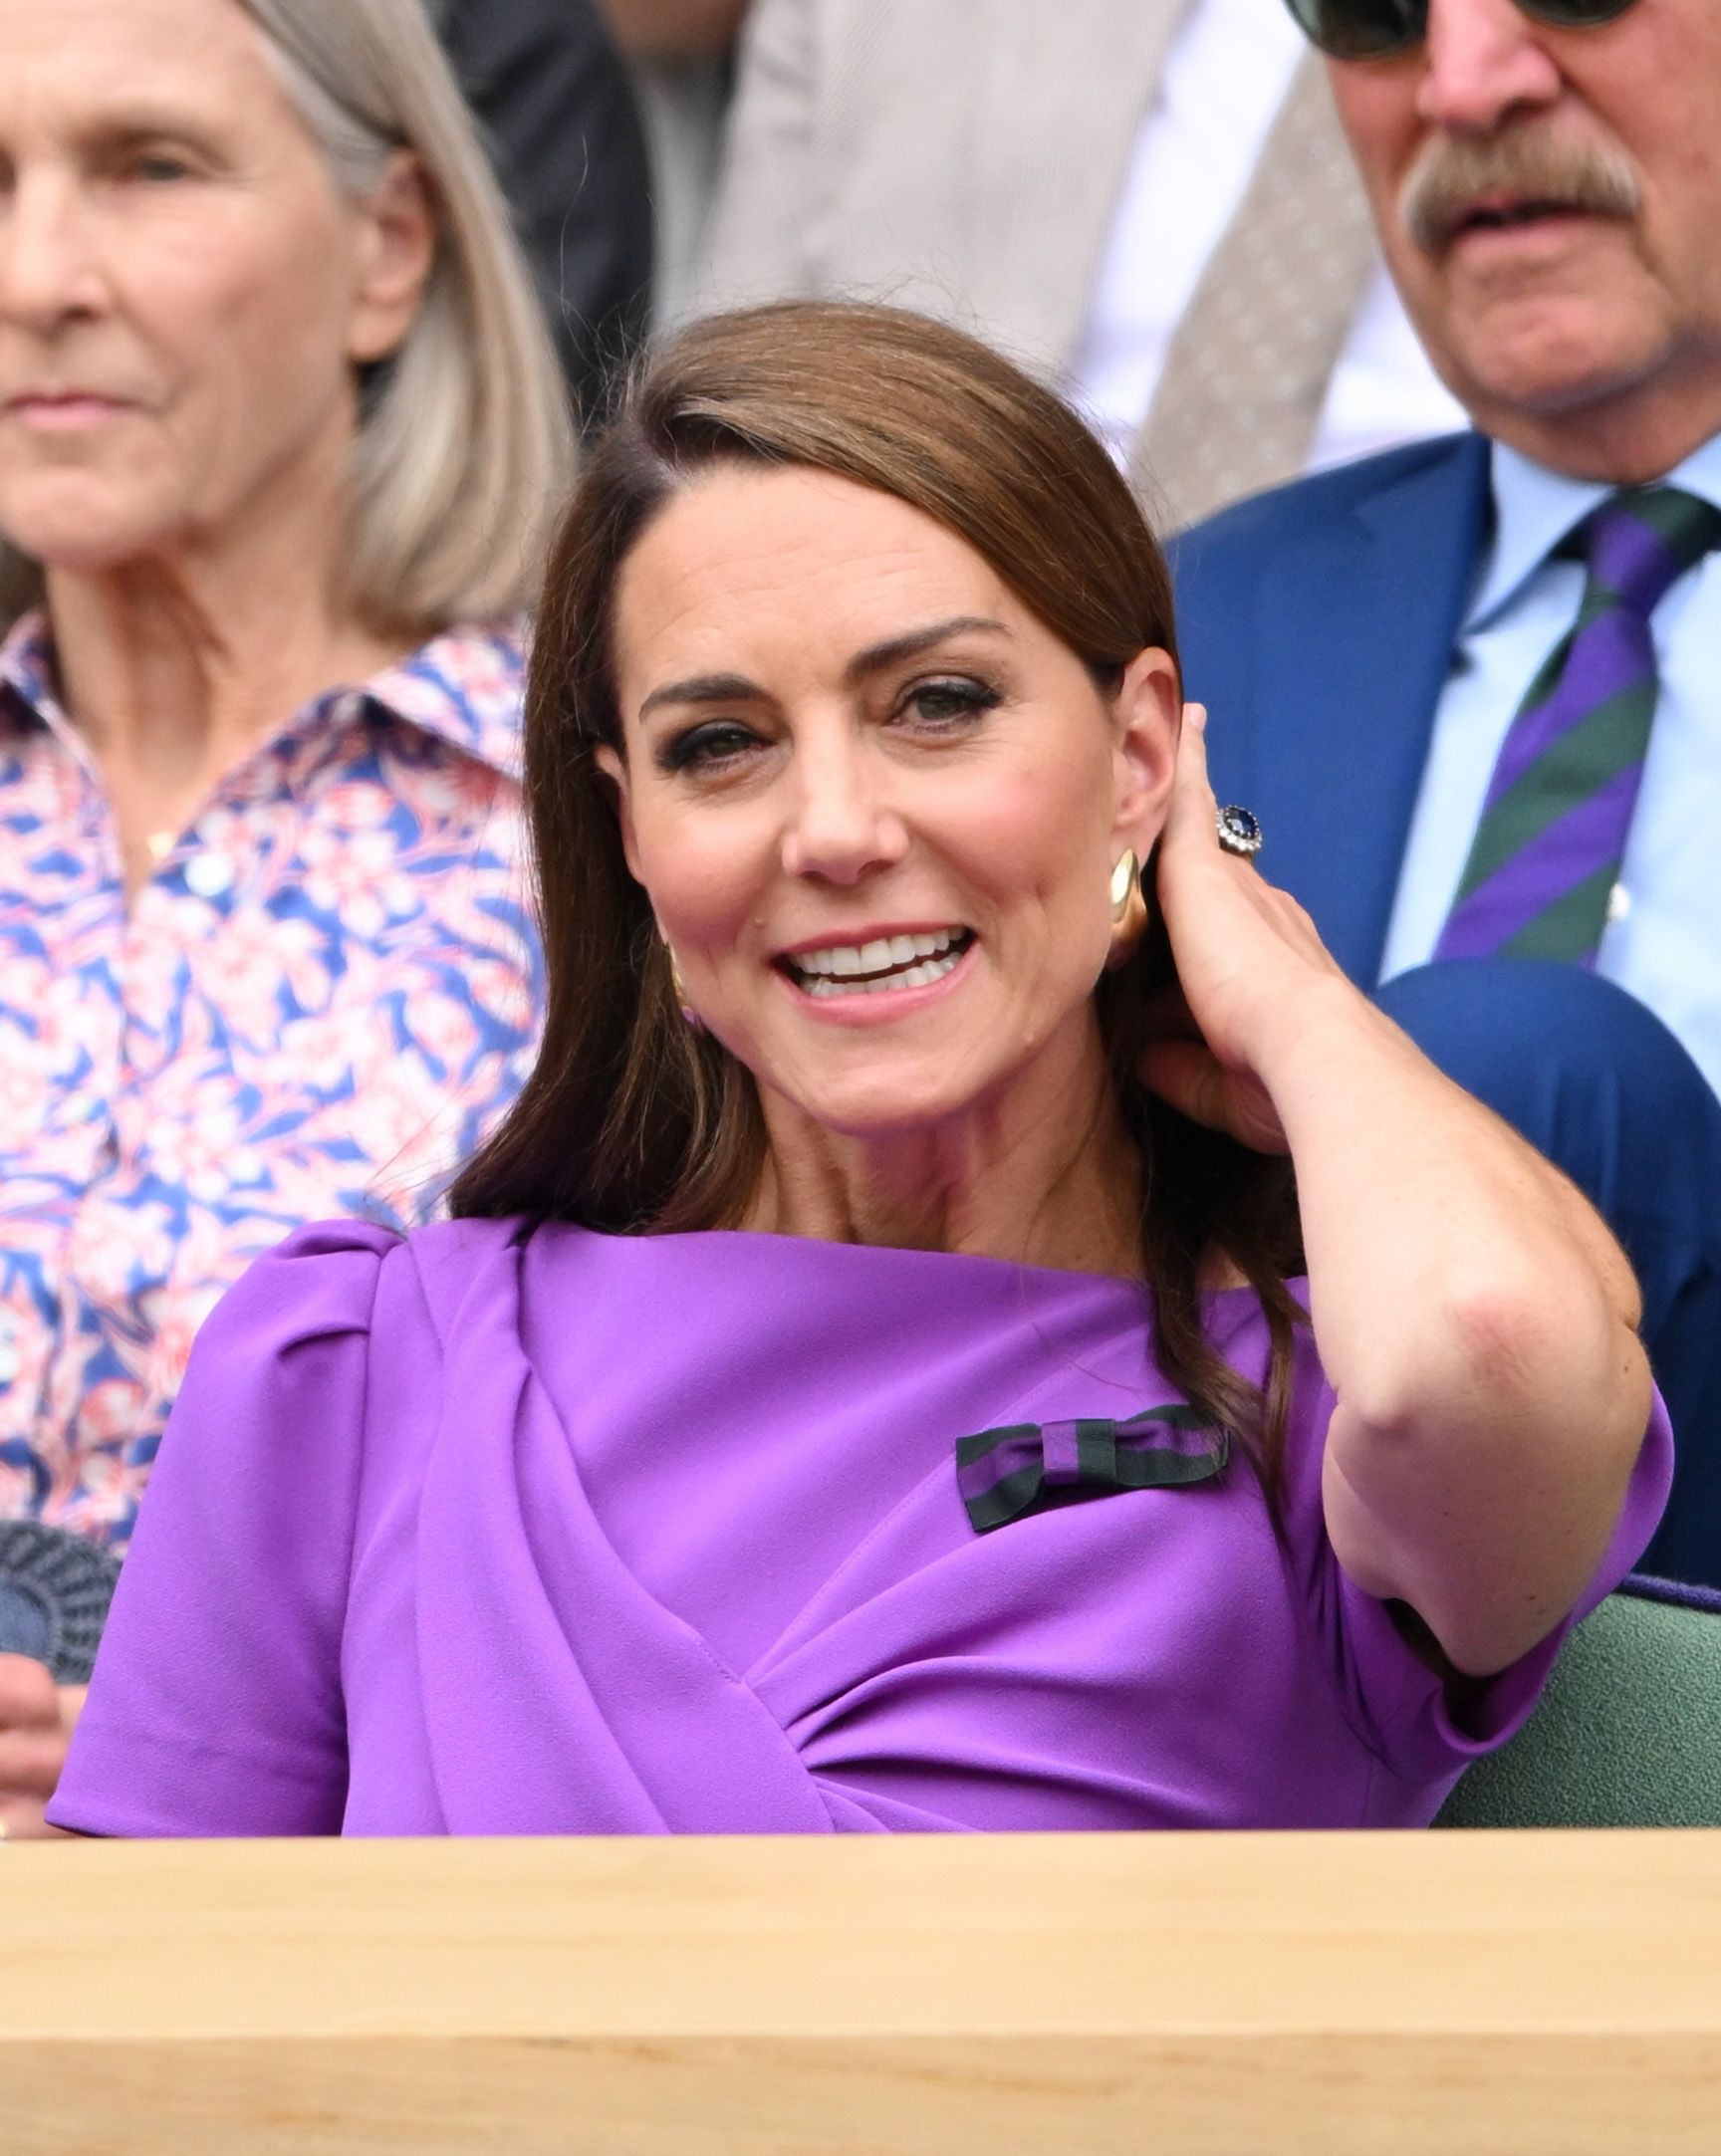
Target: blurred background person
681	55
280	433
559	116
1149	203
675	29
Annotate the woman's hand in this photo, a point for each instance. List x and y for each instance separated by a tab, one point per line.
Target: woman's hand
1473	1314
37	1718
1247	956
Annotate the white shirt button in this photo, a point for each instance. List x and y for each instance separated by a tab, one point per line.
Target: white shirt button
208	875
1618	902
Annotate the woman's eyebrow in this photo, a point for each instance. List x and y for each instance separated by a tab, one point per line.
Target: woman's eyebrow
735	688
879	656
703	689
137	127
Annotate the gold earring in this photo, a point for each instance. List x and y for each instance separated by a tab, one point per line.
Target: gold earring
679	988
1129	908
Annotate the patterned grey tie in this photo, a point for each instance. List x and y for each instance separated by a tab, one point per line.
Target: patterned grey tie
1246	375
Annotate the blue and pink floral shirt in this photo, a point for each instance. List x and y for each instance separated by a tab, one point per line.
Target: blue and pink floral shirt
321	1002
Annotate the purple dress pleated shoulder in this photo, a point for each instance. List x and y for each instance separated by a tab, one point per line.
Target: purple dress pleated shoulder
485	1531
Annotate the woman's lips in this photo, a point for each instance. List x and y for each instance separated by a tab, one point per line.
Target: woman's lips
69	413
843	971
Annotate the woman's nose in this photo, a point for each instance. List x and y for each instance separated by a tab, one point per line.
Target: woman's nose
47	272
840	827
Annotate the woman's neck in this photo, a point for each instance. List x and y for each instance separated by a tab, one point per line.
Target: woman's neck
176	665
1044	1172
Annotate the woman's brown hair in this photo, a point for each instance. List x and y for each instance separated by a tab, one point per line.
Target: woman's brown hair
635	1123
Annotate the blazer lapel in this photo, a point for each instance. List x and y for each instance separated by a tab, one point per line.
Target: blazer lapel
1358	625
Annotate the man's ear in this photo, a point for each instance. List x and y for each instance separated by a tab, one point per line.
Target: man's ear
398	226
1148	714
611	764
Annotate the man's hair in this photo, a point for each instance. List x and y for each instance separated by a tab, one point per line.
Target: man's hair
464	445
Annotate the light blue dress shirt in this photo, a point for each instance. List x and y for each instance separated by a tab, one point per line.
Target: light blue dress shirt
1663	939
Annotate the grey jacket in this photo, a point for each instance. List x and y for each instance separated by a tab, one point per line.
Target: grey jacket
962	156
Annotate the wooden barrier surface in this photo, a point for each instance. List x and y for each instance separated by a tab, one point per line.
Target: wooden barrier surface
1253	1994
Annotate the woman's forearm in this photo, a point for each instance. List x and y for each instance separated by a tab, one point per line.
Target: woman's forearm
1473	1312
1477	1322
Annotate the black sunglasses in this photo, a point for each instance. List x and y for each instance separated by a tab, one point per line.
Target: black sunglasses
1377	29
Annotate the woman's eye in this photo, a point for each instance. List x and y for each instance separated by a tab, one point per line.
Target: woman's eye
946	705
707	747
153	167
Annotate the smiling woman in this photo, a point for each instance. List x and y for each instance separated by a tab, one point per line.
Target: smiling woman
280	439
864	1391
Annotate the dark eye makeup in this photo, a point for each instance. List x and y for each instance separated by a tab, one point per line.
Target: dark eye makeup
711	743
945	704
949	701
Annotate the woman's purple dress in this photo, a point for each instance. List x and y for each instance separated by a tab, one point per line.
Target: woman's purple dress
494	1532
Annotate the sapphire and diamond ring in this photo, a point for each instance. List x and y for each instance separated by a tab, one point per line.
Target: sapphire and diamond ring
1239	832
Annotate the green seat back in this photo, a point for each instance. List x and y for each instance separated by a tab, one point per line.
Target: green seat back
1626	1734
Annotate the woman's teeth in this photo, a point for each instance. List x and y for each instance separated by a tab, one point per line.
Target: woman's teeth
862	969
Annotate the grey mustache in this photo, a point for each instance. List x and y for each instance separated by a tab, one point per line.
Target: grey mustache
1523	160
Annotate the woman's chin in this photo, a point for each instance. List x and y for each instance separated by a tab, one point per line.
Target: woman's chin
891	1096
92	547
87	519
885	1117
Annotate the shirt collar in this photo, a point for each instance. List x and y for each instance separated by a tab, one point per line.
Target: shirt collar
464	687
1535	507
27	662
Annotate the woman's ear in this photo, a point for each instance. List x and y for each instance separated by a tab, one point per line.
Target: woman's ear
611	764
1148	712
395	249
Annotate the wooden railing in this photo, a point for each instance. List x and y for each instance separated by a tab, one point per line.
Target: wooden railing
1252	1995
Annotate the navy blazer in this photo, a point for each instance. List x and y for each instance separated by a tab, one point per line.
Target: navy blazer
1317	624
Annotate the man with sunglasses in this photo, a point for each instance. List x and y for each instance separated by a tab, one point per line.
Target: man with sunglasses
1473	688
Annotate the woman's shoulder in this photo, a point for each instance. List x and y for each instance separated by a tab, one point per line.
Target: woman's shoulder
337	1276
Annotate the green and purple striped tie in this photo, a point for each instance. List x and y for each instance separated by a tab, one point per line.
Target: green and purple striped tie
1547	852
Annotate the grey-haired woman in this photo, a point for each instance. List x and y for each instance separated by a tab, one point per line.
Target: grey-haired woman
280	427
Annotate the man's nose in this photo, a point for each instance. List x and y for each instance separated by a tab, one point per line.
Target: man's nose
842	826
1484	60
48	272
